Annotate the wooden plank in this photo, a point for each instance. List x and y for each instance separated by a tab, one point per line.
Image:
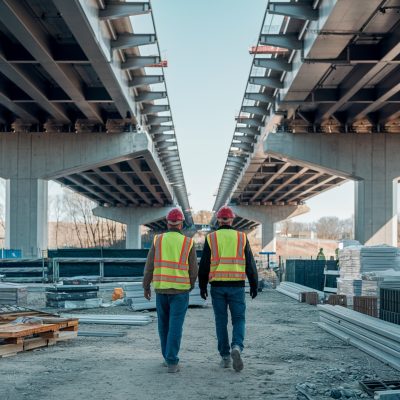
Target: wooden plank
10	349
34	343
20	330
66	335
49	335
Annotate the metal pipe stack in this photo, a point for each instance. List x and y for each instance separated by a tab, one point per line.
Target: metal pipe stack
134	320
293	290
380	339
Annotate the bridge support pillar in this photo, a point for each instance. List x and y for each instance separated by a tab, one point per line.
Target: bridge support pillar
371	159
26	216
133	218
268	216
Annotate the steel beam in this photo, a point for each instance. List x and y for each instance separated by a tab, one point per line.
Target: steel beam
129	40
278	173
316	186
77	181
243	146
247	130
285	183
303	11
119	9
255	110
250	122
300	185
277	64
154	109
16	109
150	96
137	62
157	120
261	97
161	129
245	139
389	49
134	164
116	168
113	182
87	32
288	41
140	81
27	30
25	82
266	82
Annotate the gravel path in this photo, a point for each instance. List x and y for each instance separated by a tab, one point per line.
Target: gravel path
284	348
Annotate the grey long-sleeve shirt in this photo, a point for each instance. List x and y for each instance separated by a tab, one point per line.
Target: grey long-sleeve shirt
149	269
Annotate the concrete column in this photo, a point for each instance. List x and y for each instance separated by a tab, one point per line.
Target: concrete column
133	236
26	216
268	216
133	218
376	212
371	159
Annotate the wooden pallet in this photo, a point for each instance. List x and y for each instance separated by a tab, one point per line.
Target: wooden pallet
16	338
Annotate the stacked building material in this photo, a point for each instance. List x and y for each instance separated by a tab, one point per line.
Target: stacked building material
380	339
13	294
363	268
71	296
366	305
337	300
390	302
295	290
123	319
134	297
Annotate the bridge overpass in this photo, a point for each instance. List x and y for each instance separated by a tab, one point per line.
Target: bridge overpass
319	109
83	101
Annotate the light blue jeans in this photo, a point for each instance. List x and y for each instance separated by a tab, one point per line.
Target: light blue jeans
171	311
234	298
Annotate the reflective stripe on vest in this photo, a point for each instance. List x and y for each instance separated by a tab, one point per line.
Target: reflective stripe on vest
171	264
228	262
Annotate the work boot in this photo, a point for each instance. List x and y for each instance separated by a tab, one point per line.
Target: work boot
225	362
237	359
173	368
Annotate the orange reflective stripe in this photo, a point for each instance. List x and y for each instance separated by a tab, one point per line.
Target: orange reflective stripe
240	248
185	250
214	245
227	274
166	264
229	261
158	244
170	278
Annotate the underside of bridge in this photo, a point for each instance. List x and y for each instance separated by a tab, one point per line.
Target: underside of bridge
83	101
320	108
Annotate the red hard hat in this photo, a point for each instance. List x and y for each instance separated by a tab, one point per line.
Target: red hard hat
175	216
225	212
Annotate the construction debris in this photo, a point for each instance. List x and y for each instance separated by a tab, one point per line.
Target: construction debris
72	296
22	330
12	293
380	339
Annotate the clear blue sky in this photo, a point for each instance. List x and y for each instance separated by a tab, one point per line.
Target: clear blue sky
206	43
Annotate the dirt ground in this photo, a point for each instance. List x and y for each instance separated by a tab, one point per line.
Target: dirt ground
284	348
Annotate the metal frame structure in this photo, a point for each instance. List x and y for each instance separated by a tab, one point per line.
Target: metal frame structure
344	78
77	66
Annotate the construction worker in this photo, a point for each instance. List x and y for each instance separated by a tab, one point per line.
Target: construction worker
172	266
226	260
321	255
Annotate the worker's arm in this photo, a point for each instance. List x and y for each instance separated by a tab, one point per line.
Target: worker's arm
251	268
148	273
204	268
193	267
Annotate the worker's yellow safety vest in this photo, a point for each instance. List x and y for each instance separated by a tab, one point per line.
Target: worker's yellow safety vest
228	262
171	256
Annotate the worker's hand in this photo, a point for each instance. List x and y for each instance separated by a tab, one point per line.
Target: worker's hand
147	294
253	292
203	294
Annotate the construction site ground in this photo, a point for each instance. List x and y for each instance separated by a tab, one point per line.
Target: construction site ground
284	349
